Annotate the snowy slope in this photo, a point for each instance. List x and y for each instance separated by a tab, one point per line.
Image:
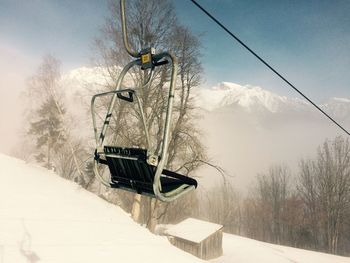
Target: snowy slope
240	249
44	216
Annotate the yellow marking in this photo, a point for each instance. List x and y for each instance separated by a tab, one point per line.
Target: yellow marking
145	58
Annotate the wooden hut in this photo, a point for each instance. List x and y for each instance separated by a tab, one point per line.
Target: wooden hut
200	238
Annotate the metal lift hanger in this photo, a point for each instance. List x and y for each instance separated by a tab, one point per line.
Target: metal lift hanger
136	169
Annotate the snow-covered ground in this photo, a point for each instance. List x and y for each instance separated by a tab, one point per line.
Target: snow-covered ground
240	249
44	218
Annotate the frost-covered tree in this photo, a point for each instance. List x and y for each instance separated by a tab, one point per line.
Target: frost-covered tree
45	111
46	121
47	131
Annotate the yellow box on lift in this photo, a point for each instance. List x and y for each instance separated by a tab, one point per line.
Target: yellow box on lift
146	58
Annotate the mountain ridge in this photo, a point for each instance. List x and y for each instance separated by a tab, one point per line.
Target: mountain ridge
255	98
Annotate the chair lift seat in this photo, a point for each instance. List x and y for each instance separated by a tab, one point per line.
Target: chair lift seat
130	171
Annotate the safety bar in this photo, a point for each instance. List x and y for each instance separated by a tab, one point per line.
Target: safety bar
99	141
131	93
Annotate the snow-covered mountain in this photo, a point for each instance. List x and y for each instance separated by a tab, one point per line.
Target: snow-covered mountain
254	99
251	98
86	75
338	107
45	218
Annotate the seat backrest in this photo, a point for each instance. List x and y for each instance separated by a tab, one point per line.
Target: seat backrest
129	166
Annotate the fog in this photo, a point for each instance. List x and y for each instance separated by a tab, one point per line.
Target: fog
247	144
15	68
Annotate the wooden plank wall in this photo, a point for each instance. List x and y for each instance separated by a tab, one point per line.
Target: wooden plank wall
209	248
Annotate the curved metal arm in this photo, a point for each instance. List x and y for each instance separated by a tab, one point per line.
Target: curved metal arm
148	80
99	176
183	189
164	152
125	32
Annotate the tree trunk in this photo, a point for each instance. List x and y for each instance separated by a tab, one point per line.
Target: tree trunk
48	154
153	220
136	208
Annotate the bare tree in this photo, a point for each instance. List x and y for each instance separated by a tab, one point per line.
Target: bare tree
307	188
254	218
324	185
314	215
268	201
222	206
65	164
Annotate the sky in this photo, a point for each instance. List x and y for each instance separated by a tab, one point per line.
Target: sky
307	41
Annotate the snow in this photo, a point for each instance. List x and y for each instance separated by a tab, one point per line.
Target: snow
90	78
342	99
193	229
249	97
91	75
338	108
240	249
44	216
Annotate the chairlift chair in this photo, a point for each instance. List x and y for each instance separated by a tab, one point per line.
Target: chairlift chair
131	168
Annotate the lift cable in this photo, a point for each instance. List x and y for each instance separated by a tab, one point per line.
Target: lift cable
266	64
